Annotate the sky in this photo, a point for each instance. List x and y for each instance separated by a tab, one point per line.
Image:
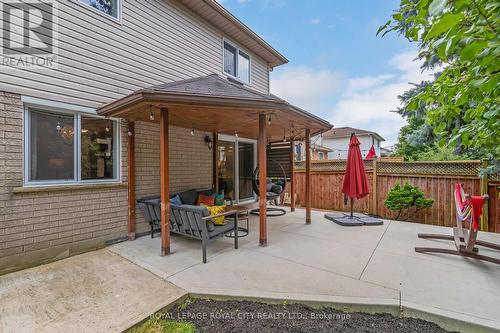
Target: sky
338	69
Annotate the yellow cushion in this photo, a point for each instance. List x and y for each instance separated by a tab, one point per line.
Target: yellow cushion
214	210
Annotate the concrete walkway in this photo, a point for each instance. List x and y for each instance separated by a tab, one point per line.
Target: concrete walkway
327	263
94	292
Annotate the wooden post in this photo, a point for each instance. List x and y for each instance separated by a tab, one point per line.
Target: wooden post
131	180
308	176
374	187
164	188
292	176
215	162
483	184
262	179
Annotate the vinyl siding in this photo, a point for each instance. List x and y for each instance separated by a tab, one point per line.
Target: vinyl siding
101	60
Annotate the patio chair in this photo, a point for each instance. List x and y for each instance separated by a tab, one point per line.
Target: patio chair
469	209
190	221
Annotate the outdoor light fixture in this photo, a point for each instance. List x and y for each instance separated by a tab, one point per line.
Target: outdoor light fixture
151	115
192	131
107	129
236	134
269	120
209	142
58	127
129	132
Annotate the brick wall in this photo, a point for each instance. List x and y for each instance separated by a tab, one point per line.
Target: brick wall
39	227
190	162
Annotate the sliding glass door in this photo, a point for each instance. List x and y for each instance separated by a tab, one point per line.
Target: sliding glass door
246	166
236	162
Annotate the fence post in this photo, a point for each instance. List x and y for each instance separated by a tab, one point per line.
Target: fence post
374	186
483	184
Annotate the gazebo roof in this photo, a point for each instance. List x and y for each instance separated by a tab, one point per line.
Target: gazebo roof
215	103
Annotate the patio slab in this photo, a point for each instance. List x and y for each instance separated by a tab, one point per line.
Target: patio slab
93	292
325	262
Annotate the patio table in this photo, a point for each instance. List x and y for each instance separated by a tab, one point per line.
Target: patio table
241	215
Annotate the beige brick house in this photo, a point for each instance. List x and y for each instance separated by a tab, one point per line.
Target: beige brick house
64	184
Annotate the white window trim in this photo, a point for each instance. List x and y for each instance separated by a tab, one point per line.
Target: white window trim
117	19
77	177
238	49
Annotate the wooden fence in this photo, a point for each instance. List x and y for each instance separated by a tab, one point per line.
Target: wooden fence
436	179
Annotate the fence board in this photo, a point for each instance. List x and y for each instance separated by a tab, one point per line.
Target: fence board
435	179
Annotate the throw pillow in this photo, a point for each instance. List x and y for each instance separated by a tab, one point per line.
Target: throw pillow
214	210
207	200
176	200
219	198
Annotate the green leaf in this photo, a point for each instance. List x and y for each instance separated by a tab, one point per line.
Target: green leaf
469	52
382	27
446	22
436	7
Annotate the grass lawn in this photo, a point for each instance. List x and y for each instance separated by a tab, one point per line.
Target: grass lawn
164	326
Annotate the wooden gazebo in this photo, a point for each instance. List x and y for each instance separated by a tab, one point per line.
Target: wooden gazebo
217	105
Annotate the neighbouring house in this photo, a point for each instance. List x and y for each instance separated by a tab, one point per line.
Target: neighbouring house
145	98
318	152
337	139
385	152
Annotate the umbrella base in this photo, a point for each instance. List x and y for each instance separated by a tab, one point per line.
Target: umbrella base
368	220
356	220
343	220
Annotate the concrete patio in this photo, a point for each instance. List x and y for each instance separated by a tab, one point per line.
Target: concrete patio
324	262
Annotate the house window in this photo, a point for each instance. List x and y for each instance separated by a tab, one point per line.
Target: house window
107	7
70	148
236	63
321	155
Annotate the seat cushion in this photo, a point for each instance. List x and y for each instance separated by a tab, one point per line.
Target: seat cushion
276	189
221	229
189	197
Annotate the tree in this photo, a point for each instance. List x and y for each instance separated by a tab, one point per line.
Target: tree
403	198
462	104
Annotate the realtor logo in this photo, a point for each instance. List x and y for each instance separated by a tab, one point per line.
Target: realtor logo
29	33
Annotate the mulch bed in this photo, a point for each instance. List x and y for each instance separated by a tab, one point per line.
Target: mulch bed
245	316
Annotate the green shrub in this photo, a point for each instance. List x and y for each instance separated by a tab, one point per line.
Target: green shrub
402	199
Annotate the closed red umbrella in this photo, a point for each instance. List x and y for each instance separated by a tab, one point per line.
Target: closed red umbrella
355	182
371	153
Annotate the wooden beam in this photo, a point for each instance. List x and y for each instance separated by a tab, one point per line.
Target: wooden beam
164	187
262	179
292	176
131	180
308	176
215	161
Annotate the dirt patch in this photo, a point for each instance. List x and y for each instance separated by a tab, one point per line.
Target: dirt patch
245	316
